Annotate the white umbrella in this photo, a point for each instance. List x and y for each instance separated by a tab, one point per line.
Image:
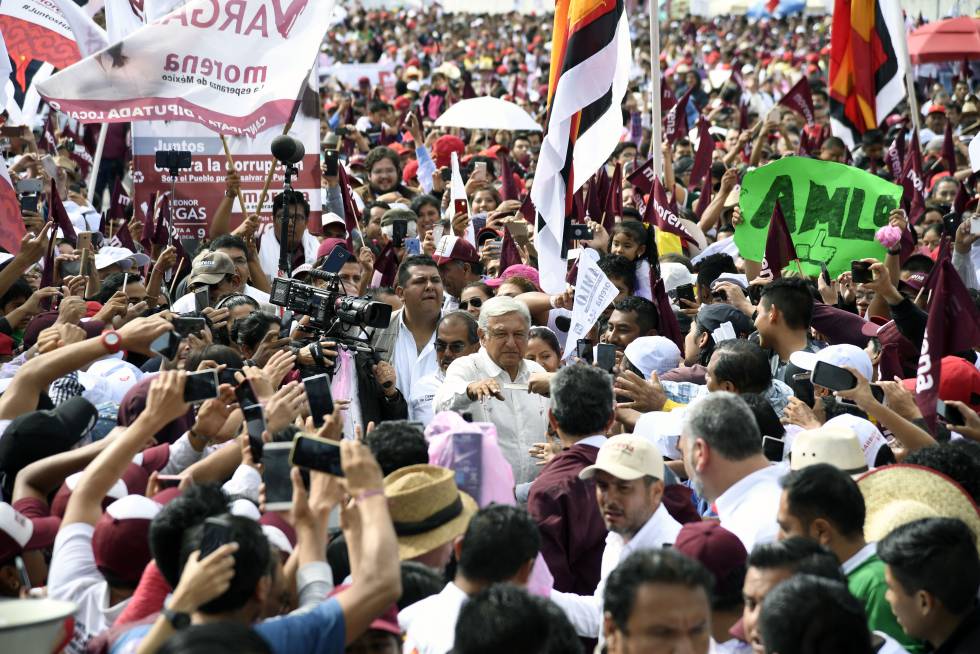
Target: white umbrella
487	113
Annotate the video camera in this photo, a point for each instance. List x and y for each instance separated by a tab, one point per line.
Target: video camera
330	309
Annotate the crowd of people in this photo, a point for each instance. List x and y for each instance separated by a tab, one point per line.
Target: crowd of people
680	480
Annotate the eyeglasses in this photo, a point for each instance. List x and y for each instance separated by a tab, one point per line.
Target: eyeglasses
456	347
475	302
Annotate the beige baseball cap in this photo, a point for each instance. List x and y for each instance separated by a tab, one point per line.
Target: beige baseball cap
627	457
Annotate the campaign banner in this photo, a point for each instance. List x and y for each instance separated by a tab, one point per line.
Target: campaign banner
234	66
36	29
593	293
832	211
201	189
381	75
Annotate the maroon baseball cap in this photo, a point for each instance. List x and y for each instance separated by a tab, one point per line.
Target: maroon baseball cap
153	459
327	245
716	548
20	533
387	621
276	521
133	480
454	248
121	541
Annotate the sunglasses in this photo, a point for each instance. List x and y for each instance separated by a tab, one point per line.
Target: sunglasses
476	303
456	347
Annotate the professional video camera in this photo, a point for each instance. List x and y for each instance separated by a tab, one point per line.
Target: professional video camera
330	309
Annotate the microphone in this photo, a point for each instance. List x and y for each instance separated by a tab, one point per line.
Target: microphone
287	149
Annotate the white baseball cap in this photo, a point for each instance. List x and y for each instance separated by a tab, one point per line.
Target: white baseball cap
108	380
111	254
663	429
840	355
653	354
675	274
627	457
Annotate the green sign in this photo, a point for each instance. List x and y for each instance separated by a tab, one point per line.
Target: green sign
832	211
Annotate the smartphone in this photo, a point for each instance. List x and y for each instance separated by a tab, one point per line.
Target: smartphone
330	165
245	395
227	376
28	202
605	356
832	377
719	296
468	462
319	396
25	579
446	174
773	448
286	328
583	350
217	531
861	272
479	221
577	232
480	169
437	231
84	241
168	481
824	273
201	386
951	223
187	325
684	292
255	425
172	159
202	299
413	246
399	230
275	474
339	255
975	224
166	345
316	453
755	293
949	413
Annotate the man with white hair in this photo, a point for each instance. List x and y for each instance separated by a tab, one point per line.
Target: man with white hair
492	385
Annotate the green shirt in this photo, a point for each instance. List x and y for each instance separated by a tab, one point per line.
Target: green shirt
866	581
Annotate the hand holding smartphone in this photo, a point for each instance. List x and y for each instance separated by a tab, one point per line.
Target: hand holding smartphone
316	453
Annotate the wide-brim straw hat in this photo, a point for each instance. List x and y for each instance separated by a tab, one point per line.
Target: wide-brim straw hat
427	508
902	493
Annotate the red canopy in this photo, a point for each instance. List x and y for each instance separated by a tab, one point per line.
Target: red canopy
954	39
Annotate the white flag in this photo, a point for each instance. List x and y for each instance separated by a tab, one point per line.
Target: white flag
89	37
234	66
123	17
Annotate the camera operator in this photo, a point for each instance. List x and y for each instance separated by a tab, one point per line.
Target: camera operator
374	397
302	244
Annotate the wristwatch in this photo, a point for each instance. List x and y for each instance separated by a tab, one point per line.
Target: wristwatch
112	341
177	620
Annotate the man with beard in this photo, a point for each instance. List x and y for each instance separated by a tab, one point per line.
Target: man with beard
292	207
456	336
721	447
629	487
384	174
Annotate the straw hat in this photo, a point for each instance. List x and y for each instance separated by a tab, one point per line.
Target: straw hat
898	494
427	508
837	446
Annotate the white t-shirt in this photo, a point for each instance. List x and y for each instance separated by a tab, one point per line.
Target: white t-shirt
430	624
73	576
186	304
423	392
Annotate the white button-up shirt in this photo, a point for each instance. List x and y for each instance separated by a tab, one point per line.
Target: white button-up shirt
748	508
521	419
585	612
410	364
430	624
423	392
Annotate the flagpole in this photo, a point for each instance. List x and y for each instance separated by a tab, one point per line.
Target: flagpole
656	139
99	148
231	162
903	46
268	177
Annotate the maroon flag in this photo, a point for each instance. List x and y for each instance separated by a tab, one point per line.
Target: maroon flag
667	97
578	205
736	77
351	215
804	149
669	327
743	115
387	265
59	216
953	326
642	178
613	205
702	158
49	136
468	90
705	198
527	211
148	222
508	187
659	213
913	181
779	245
161	231
962	197
509	254
675	121
949	149
800	100
119	200
895	156
596	199
124	238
